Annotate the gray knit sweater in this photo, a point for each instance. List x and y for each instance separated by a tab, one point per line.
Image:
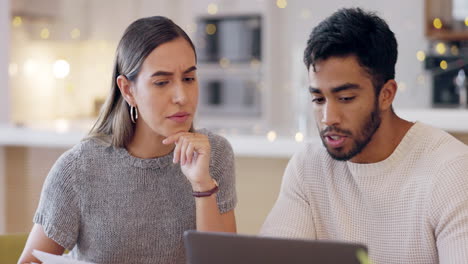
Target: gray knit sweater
110	207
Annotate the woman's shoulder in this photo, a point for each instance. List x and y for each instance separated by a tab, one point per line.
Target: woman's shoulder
70	161
218	142
85	148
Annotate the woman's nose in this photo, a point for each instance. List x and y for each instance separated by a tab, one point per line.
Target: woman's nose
179	95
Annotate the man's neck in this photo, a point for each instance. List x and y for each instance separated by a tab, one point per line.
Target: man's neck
385	140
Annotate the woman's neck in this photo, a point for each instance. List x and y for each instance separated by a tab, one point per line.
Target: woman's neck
146	144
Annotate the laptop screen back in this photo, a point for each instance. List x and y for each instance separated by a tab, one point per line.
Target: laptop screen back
207	248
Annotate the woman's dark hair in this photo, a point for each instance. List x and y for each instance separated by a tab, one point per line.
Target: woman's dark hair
352	31
138	41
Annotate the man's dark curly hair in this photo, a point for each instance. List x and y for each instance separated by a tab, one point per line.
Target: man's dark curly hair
352	31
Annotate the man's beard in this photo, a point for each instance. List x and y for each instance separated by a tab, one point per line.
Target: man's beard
361	140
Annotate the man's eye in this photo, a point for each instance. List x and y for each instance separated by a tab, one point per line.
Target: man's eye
347	99
318	100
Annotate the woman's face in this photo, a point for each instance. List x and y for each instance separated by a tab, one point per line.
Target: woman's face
166	89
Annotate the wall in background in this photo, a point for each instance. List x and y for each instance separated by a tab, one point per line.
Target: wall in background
82	33
4	59
284	91
286	30
5	95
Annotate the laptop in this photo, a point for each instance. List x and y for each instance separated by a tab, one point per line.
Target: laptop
208	247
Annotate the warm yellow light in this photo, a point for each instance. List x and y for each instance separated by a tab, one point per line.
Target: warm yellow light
466	21
256	129
75	33
299	137
305	13
421	79
102	45
281	3
61	69
440	48
45	33
437	23
30	67
421	55
13	69
271	136
254	64
212	9
224	62
191	28
70	87
62	125
210	29
402	86
17	21
454	50
443	65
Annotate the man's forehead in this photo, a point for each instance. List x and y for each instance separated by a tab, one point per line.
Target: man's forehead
337	70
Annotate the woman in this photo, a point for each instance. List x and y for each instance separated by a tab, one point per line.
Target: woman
143	176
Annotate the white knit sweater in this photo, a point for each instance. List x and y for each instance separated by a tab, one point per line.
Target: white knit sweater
409	208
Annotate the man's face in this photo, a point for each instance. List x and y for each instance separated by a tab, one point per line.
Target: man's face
345	106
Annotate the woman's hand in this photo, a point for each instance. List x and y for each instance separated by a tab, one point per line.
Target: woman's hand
193	152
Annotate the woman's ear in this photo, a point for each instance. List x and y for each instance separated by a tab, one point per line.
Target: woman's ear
125	87
387	94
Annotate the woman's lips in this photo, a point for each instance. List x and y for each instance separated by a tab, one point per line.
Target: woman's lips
179	117
335	141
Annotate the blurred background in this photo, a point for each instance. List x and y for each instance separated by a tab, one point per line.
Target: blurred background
56	60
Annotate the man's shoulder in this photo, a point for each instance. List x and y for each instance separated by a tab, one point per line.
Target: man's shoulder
440	144
313	155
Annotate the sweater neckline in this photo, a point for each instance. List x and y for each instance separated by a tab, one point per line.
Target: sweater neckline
153	163
401	151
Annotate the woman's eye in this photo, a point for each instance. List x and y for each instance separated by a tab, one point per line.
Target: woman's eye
189	79
160	84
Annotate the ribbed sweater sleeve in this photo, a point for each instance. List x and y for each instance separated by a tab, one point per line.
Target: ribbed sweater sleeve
450	212
59	207
222	169
292	214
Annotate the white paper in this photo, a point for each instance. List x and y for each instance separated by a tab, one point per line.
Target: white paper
48	258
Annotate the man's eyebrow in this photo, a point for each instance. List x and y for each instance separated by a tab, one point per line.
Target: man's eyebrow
165	73
314	90
344	87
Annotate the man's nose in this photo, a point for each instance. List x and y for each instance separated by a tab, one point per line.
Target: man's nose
331	114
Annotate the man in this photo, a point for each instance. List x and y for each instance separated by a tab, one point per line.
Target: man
399	187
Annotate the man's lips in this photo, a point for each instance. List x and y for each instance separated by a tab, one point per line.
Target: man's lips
179	117
334	140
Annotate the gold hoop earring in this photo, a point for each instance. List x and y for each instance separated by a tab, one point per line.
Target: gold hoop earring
133	114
